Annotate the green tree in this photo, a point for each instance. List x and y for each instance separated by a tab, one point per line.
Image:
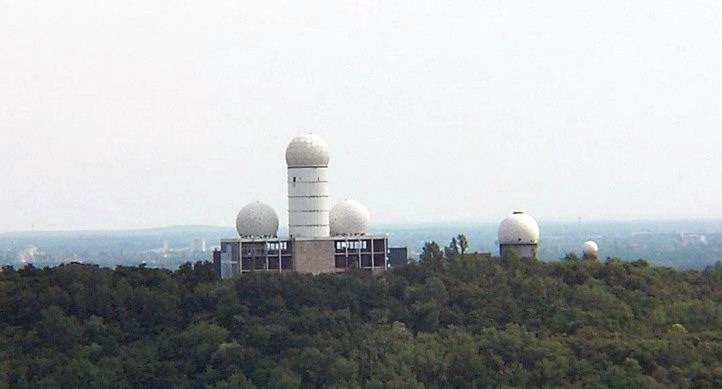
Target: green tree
431	257
452	250
463	243
469	322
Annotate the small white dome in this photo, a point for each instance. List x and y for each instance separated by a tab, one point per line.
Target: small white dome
518	228
349	218
257	220
308	150
590	248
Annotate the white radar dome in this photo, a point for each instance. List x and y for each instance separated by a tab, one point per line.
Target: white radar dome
590	248
349	218
257	220
308	150
519	228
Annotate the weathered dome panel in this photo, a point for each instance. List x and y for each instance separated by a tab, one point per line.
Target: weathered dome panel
518	228
257	220
308	150
349	218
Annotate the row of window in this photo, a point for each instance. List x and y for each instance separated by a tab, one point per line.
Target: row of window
275	246
255	264
352	245
362	245
269	248
262	249
353	261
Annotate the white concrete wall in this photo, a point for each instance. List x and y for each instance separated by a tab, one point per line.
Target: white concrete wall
308	203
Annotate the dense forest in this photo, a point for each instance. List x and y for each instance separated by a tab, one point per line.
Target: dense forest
450	320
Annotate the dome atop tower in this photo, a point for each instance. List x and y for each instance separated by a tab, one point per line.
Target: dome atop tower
590	249
257	220
307	150
350	218
519	228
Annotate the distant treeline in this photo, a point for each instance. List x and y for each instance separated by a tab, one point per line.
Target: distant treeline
451	320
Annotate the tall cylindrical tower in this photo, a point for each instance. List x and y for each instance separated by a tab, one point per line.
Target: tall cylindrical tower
308	205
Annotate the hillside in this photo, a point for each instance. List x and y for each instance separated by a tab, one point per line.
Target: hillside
446	322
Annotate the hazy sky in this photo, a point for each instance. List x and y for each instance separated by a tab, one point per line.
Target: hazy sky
120	114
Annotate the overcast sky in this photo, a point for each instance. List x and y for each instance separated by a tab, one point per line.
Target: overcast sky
124	114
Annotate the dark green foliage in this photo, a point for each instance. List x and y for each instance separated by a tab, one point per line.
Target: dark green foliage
463	243
431	258
450	321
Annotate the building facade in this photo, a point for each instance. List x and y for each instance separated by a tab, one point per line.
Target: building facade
314	256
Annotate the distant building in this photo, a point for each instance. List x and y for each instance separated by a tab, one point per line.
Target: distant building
691	239
322	240
590	250
518	235
319	255
198	246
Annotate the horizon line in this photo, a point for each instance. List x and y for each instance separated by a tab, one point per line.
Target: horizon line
385	224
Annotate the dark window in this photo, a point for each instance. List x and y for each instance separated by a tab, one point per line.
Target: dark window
353	259
379	246
247	264
341	262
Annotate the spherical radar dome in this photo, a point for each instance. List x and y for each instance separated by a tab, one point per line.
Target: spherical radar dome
590	248
308	150
257	220
349	218
518	228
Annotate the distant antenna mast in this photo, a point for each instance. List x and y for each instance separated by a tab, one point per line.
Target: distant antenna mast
579	228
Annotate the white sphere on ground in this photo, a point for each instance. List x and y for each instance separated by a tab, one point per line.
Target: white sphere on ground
519	228
349	217
308	150
257	220
590	248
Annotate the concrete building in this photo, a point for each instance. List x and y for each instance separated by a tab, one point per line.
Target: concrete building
198	246
320	240
303	255
518	235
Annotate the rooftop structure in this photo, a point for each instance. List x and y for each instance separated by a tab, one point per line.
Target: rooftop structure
307	158
590	250
308	150
349	218
257	220
518	234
